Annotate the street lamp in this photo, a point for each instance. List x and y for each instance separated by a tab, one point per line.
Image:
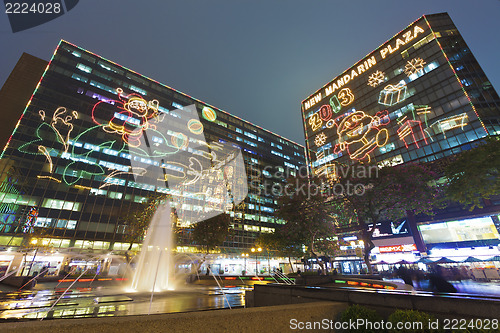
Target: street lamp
256	250
245	255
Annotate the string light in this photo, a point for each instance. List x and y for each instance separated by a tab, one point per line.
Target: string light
179	92
359	134
346	96
407	129
376	78
456	76
320	139
450	123
414	66
393	94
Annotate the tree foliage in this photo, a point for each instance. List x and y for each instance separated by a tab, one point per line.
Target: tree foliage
280	245
375	195
137	219
473	175
309	219
212	232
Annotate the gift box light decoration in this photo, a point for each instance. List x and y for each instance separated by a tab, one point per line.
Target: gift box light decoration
393	94
449	123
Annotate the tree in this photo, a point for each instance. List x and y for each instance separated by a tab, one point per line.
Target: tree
280	245
309	219
473	175
374	195
212	232
137	219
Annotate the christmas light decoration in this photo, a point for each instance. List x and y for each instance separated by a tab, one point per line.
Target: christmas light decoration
335	104
414	66
359	134
320	139
376	78
208	113
195	126
346	96
408	128
315	122
393	94
325	112
449	123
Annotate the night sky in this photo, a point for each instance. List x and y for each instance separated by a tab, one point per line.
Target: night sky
255	59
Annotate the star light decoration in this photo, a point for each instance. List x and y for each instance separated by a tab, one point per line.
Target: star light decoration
376	78
320	139
414	66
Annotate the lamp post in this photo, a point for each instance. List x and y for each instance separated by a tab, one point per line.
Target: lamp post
256	250
245	256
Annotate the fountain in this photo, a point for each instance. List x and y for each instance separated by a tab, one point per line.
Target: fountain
154	270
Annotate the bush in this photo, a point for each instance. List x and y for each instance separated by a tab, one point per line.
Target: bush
355	312
413	317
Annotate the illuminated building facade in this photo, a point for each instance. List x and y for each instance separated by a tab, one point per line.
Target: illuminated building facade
80	156
420	96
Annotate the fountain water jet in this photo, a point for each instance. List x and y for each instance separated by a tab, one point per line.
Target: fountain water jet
155	267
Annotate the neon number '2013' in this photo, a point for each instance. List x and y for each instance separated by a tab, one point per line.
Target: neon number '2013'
335	104
346	96
325	112
315	122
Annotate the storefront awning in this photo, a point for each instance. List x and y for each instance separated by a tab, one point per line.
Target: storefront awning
472	259
444	260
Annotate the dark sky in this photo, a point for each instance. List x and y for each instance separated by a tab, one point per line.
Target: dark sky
255	59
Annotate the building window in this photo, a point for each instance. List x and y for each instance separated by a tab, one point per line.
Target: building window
84	68
79	77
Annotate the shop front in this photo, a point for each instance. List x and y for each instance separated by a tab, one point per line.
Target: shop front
5	263
32	265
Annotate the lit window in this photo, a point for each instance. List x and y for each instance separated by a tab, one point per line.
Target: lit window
102	86
126	118
137	89
84	68
91	147
276	153
110	152
96	191
251	135
162	109
177	105
79	77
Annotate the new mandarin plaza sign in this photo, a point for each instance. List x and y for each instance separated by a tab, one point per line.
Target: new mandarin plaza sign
370	62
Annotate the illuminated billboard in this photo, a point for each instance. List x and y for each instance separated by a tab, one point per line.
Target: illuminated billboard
459	231
402	102
398	248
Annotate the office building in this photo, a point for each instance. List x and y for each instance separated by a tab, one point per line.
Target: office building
94	140
419	97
